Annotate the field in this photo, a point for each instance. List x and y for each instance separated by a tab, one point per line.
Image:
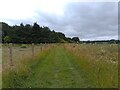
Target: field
61	66
0	66
20	53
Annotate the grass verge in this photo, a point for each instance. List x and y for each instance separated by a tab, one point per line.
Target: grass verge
99	72
14	76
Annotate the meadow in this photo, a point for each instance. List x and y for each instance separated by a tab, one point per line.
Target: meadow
0	66
99	63
20	51
61	66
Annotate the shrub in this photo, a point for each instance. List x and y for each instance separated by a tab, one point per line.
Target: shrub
23	46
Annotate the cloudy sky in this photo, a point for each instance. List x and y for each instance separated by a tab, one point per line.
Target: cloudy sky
95	20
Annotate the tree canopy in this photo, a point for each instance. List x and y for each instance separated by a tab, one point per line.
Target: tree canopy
76	39
32	34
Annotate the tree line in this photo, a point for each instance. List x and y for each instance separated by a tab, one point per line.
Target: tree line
33	34
39	34
112	41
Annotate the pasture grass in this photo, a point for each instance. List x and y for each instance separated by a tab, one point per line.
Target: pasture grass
62	65
57	70
18	52
0	66
13	76
99	63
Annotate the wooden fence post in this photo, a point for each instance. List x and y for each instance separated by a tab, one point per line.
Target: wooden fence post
10	54
32	49
41	48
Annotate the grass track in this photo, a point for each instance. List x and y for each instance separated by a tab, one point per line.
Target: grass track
56	70
63	66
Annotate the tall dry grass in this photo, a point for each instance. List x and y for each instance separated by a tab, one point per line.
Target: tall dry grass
14	76
99	62
19	53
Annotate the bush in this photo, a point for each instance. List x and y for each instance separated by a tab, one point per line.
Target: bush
23	46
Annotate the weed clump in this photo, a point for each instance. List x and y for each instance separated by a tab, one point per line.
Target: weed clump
23	46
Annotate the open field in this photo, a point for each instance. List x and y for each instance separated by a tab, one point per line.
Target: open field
62	66
0	66
20	53
99	62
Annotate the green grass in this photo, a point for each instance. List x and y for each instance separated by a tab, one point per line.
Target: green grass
21	69
56	70
97	66
0	66
65	66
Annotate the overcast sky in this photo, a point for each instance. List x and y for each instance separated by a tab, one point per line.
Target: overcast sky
86	20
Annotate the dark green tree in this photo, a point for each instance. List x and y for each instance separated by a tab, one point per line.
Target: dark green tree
76	39
31	33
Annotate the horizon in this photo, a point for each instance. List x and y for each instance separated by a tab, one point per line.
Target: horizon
62	32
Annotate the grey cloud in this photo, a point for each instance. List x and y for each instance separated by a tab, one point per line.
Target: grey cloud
93	20
87	20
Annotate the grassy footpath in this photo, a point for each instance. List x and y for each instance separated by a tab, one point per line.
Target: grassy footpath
60	67
56	70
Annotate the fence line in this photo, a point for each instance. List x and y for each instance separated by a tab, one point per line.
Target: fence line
32	49
10	53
